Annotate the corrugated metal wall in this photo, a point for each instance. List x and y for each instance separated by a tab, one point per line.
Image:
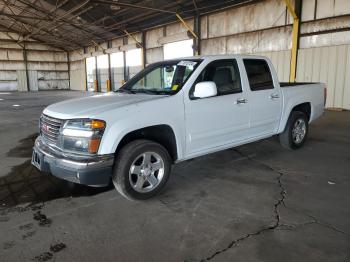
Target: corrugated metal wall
47	66
281	62
330	65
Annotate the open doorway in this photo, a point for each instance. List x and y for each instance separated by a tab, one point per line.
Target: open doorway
117	69
133	62
178	49
90	73
102	72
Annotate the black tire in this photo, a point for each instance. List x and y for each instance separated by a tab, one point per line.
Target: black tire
127	156
286	138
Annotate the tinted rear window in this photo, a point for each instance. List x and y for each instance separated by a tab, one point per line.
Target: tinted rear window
259	74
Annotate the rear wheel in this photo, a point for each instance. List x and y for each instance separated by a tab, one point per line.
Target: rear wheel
141	170
296	131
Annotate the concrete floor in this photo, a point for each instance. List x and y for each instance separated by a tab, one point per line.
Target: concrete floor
258	202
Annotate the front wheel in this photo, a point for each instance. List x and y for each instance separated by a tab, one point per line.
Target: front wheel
141	170
296	131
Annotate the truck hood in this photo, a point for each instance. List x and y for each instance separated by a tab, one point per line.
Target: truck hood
88	107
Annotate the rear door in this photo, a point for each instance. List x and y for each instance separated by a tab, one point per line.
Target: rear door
221	120
265	99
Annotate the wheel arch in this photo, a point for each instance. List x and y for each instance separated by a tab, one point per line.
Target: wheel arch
304	107
162	134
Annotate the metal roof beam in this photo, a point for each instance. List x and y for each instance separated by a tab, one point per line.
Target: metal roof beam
107	2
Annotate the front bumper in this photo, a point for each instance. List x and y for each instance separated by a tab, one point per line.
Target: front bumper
92	171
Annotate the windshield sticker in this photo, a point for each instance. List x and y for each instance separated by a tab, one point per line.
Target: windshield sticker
186	63
175	87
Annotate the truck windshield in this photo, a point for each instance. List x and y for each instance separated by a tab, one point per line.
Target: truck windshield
162	78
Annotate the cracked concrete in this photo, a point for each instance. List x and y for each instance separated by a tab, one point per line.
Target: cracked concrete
277	203
276	225
258	202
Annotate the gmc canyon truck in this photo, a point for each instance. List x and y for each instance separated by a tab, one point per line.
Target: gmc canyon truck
170	112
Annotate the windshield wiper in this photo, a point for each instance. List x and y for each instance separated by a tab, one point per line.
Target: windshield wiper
123	90
145	91
151	92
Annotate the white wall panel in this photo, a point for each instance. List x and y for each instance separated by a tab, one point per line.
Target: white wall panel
176	28
346	96
204	27
152	37
330	65
325	8
53	84
247	18
8	86
214	46
307	12
78	79
22	80
77	75
281	62
154	55
341	7
33	80
8	76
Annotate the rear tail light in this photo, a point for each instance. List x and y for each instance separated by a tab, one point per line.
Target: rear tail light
325	95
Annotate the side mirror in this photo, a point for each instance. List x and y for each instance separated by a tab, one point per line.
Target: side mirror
205	89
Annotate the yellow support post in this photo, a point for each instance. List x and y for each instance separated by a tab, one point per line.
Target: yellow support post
295	33
293	62
108	83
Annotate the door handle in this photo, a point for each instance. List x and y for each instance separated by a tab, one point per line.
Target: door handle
241	101
274	96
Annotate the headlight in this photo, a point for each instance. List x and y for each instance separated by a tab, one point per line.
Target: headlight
82	135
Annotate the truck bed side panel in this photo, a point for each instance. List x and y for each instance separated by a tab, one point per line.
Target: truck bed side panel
299	94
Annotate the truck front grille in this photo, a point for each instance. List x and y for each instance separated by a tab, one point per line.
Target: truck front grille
50	128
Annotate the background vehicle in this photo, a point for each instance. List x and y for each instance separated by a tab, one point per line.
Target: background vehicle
172	111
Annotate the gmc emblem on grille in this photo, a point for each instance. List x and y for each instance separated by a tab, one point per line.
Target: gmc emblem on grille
45	127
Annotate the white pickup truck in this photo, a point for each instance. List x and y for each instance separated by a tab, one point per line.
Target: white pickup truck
172	111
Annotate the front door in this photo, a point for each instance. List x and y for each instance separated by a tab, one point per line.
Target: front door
220	120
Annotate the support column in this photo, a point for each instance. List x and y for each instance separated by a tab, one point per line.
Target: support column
126	74
109	81
26	64
197	30
295	11
68	65
96	88
143	46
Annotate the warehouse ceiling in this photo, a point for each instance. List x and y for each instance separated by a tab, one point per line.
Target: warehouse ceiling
72	24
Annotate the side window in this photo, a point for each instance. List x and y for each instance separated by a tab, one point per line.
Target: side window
259	74
224	73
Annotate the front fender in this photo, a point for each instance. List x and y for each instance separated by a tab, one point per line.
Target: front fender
118	131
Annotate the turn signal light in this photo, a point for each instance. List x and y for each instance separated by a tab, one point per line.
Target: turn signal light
94	144
98	124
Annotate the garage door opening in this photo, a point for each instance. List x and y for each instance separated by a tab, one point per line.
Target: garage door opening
90	73
117	69
102	72
178	49
133	62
